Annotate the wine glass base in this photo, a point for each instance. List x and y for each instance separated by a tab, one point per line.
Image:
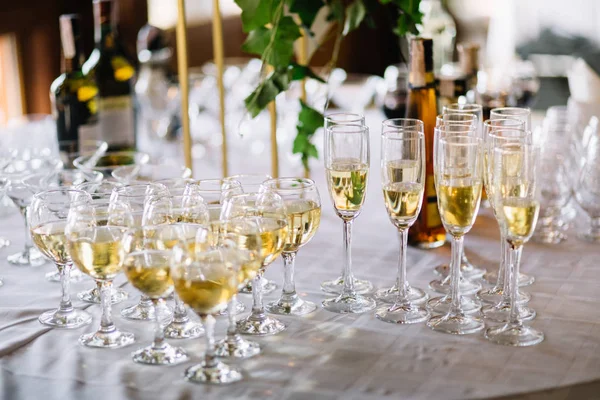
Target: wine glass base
456	324
4	242
239	308
93	295
31	258
501	313
239	348
467	287
167	355
69	320
441	305
524	279
589	237
143	312
297	307
183	330
111	340
74	277
337	285
349	304
267	287
389	295
494	296
509	335
402	314
466	270
260	326
219	374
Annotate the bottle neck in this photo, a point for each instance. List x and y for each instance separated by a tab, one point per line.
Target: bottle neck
73	64
105	25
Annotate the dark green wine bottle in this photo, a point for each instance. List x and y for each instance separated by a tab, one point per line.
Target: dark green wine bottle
73	95
114	75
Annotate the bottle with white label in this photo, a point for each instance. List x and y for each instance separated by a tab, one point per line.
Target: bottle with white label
114	75
73	95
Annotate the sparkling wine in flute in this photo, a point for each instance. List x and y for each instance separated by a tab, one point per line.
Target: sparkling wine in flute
403	170
206	297
51	241
149	272
304	218
520	217
98	251
347	181
402	200
459	200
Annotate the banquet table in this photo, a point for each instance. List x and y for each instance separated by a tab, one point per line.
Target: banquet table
324	355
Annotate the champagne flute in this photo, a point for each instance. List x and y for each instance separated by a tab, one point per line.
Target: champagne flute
127	206
403	177
517	207
183	214
303	205
97	249
206	283
100	193
250	183
458	181
147	267
347	153
336	286
267	211
48	217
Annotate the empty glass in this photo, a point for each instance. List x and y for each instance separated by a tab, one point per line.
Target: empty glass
587	194
150	172
69	150
110	161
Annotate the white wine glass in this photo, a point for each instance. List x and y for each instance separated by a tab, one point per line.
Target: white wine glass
458	182
587	195
517	207
303	205
347	155
336	286
100	193
147	267
97	249
266	210
214	192
403	178
48	219
206	283
106	163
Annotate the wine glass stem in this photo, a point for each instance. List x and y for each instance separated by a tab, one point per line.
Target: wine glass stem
515	261
232	327
257	301
288	294
502	266
209	328
507	272
401	282
65	301
159	333
457	250
180	313
28	243
348	288
106	323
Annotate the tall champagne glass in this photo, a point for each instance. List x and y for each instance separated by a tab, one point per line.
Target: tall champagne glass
517	207
347	154
303	205
336	286
147	267
206	283
48	218
267	210
97	249
250	183
403	178
458	181
100	193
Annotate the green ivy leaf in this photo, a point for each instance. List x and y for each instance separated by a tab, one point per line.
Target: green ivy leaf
309	120
300	72
278	81
282	49
257	41
355	13
336	10
256	13
307	10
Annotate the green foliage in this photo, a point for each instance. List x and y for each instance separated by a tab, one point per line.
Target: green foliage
272	32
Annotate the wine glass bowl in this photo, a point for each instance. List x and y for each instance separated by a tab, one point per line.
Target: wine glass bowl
108	162
150	172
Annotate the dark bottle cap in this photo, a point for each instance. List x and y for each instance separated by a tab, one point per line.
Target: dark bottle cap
421	62
70	33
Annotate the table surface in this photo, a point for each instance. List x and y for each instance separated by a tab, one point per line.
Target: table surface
324	355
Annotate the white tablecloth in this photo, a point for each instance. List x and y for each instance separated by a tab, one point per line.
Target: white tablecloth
325	356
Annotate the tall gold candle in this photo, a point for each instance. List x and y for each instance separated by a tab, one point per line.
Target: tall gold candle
218	55
274	149
303	60
182	69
